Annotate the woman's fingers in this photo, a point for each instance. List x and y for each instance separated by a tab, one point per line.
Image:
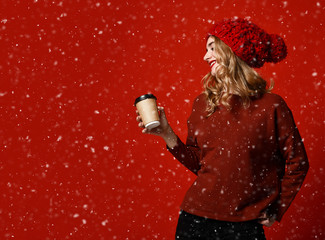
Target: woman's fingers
267	223
263	216
163	119
145	130
266	220
161	109
138	119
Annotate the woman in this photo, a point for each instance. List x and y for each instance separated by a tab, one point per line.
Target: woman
242	142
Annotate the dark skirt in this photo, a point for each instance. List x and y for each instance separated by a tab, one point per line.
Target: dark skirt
190	226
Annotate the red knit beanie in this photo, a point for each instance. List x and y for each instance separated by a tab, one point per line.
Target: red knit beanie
249	42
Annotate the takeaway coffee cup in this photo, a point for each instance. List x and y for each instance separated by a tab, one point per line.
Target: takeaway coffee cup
147	107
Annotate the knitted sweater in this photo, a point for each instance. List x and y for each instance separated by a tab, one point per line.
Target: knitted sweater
246	160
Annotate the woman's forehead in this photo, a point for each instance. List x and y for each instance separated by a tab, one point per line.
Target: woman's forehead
210	41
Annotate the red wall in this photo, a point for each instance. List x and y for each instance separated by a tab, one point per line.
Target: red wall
74	164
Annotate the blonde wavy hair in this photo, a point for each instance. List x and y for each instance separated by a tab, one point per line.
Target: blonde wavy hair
232	74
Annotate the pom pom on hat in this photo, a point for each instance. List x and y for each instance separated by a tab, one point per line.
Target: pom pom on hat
249	42
278	49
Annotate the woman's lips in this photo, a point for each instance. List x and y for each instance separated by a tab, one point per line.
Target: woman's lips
212	63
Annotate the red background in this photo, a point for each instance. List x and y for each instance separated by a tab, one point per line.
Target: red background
74	164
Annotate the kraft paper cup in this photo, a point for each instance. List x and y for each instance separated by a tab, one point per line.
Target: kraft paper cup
147	107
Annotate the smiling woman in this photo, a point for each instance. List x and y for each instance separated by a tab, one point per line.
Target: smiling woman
242	143
229	75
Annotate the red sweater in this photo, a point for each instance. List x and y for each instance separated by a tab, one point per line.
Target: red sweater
246	160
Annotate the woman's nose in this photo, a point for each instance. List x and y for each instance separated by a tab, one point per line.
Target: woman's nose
206	56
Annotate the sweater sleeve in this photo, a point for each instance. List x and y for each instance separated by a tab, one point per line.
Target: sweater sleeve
295	159
188	154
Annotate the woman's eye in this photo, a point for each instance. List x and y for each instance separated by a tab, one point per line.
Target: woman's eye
212	49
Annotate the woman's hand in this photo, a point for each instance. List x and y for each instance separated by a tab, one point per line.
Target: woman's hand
161	130
266	220
164	130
